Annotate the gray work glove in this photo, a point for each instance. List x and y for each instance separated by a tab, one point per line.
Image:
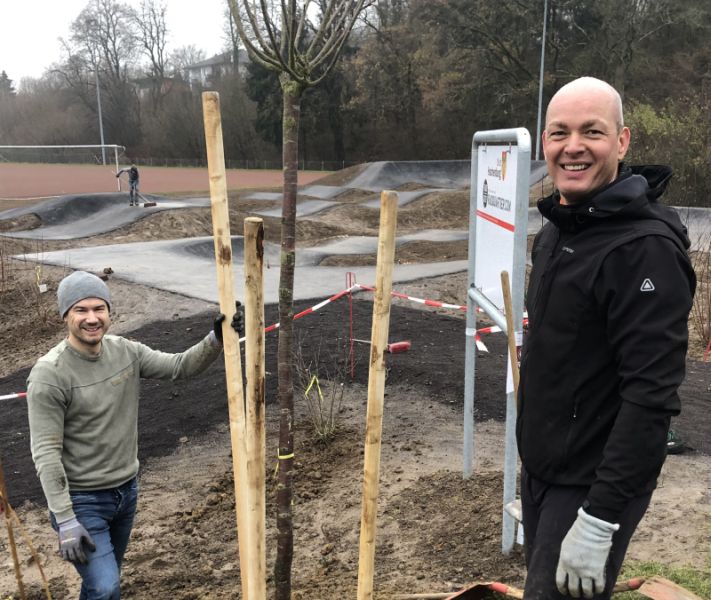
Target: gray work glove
72	537
583	556
237	322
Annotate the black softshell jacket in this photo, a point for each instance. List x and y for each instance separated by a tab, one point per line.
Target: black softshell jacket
608	301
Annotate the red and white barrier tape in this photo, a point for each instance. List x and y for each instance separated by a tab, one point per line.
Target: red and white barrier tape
433	303
436	304
493	329
316	307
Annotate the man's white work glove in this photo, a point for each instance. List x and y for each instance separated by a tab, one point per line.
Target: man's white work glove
583	555
72	536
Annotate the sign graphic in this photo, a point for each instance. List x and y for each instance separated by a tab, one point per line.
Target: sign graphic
495	217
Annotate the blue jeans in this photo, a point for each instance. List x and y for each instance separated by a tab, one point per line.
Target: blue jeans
133	191
108	517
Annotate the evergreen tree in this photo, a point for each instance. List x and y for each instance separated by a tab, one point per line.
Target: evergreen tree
6	87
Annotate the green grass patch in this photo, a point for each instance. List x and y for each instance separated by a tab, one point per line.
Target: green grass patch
695	580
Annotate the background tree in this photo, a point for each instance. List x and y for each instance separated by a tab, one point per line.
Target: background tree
152	32
7	108
415	83
183	57
6	87
386	86
301	42
100	49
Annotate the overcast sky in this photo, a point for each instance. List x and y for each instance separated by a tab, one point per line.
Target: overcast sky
30	28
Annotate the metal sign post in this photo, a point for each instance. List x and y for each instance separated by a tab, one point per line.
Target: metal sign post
498	221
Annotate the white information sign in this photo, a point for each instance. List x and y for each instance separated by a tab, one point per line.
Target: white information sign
498	207
495	218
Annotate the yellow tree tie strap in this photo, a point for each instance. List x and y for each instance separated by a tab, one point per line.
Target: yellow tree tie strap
314	379
281	457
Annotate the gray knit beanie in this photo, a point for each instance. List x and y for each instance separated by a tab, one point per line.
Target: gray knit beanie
80	285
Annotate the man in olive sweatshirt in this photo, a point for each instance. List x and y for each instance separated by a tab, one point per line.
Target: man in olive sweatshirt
83	414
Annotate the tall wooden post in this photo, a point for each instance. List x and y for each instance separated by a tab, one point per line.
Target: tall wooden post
376	392
233	366
255	373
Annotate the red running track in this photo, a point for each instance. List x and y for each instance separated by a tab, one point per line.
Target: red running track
43	180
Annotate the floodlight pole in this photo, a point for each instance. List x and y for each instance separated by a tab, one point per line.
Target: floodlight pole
540	78
101	121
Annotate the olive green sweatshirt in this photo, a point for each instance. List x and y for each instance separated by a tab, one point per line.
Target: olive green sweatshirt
83	412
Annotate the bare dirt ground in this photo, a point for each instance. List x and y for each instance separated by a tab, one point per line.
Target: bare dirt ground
436	531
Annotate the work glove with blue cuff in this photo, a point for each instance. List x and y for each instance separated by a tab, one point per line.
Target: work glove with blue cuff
72	537
583	556
237	322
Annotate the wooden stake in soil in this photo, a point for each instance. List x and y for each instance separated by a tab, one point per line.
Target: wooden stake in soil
511	334
376	392
233	366
255	373
5	509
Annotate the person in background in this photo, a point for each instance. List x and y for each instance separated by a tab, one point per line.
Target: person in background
82	401
133	178
608	300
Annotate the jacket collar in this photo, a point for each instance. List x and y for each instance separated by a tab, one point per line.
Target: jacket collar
628	196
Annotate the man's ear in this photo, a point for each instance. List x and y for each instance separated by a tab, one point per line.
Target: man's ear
623	142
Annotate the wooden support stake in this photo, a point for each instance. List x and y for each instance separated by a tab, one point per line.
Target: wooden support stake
233	366
255	373
511	333
5	506
376	392
33	552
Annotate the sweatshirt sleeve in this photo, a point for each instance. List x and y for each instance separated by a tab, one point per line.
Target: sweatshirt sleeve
46	406
162	365
646	288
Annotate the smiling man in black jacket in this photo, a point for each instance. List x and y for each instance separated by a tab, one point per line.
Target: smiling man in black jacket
608	303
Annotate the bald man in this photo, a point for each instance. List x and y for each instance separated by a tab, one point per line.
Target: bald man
608	301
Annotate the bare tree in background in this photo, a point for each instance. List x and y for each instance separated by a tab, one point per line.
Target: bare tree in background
184	57
100	51
152	33
301	41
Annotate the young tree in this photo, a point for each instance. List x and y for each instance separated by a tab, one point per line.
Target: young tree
301	42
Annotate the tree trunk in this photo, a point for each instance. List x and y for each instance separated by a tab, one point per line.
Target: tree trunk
291	94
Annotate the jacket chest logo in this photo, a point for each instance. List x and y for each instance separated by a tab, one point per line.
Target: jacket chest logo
647	286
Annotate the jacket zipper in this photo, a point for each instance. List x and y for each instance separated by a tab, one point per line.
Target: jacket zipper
547	275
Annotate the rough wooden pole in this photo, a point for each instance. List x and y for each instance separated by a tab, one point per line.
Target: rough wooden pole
255	372
233	366
5	510
376	392
511	333
33	552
